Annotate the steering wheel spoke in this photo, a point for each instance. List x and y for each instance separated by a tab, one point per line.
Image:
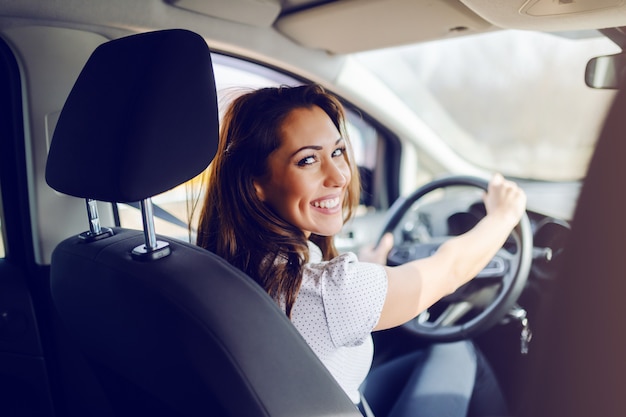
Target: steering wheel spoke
404	253
450	316
498	266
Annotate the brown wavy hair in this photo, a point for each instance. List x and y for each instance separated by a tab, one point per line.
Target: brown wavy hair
234	223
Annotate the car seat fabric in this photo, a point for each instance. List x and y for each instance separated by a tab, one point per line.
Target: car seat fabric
185	334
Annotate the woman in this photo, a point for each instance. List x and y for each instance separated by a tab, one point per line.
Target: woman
282	185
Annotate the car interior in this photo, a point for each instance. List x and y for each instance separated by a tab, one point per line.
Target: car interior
110	117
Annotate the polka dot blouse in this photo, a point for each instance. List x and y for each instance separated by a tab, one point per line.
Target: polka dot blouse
338	305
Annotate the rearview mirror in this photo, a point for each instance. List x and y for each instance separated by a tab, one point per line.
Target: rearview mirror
606	71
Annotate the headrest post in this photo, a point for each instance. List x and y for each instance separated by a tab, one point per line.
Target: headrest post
94	219
96	232
147	215
153	248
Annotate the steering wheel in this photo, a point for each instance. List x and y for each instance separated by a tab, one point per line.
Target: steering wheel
483	301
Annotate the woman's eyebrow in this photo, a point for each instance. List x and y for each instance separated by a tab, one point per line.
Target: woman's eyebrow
314	147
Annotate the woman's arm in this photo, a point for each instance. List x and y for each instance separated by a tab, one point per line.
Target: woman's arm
417	285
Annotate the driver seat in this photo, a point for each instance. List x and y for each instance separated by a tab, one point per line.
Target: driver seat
167	328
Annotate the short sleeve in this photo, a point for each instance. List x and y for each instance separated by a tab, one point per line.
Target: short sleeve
353	294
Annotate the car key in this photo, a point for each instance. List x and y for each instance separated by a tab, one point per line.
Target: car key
526	336
519	314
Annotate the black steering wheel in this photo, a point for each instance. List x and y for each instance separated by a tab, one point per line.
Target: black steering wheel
486	299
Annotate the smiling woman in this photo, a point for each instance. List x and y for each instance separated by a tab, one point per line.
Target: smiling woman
312	157
255	165
281	186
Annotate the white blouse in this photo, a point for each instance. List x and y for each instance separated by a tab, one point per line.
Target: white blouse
337	308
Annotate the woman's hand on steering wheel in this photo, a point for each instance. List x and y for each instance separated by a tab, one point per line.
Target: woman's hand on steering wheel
377	253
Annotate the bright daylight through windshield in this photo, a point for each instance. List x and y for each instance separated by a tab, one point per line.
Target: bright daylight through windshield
526	114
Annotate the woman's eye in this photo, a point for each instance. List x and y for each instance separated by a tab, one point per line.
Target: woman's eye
306	161
338	152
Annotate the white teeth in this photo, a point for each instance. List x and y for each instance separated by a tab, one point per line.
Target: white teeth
327	204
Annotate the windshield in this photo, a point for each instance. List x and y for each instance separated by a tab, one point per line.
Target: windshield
508	101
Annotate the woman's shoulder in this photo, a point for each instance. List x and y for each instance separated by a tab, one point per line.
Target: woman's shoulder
338	263
316	256
341	271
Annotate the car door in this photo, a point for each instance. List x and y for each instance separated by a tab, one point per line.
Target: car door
24	387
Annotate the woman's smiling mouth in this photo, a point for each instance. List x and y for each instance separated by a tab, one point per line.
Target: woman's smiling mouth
326	204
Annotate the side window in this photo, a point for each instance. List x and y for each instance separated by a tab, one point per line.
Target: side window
172	208
366	141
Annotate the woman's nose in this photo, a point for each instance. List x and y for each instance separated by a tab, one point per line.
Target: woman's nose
337	174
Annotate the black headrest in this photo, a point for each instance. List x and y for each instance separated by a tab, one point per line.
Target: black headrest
141	118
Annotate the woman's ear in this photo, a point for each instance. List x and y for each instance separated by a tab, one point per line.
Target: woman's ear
259	190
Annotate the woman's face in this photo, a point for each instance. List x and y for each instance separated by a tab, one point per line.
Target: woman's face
308	173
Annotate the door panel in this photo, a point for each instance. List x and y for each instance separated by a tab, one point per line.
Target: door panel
24	387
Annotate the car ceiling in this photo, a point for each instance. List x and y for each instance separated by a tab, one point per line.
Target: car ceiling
345	26
330	26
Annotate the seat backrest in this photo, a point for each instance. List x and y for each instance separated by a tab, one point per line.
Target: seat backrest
579	368
168	328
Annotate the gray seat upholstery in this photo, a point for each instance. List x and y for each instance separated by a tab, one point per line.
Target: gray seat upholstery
178	332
